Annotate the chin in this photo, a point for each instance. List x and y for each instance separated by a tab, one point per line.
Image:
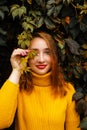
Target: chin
41	72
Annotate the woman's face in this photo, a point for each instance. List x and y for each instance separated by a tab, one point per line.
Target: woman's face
41	63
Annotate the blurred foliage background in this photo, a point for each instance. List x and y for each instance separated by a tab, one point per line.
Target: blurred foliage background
66	20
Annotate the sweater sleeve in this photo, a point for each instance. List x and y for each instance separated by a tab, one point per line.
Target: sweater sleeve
72	117
8	103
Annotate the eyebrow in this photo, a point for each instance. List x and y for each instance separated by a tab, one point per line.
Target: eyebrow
36	49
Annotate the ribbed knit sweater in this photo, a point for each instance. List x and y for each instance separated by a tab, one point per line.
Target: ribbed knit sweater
40	110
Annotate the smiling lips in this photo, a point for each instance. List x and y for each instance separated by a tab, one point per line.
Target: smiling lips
41	66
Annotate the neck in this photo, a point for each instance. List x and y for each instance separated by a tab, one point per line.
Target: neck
41	80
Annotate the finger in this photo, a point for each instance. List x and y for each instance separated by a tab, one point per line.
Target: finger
20	52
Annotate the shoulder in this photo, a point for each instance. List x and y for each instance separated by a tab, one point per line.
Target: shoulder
70	89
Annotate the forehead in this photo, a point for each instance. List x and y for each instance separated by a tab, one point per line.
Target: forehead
38	43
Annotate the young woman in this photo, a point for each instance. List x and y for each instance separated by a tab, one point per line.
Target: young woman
39	99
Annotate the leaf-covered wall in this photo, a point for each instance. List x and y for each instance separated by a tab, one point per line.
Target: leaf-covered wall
66	20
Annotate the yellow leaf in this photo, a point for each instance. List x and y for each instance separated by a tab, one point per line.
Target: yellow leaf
24	61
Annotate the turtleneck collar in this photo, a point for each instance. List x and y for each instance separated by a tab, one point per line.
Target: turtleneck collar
41	80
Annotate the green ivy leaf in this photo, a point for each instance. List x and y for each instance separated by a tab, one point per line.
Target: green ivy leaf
57	10
67	1
24	39
17	10
2	14
77	96
83	123
2	31
73	46
27	26
50	11
21	11
50	2
2	42
40	22
83	26
49	23
4	8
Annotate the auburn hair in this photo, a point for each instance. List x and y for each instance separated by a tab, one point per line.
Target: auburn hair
57	77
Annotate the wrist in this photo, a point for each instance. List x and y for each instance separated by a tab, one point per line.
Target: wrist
15	76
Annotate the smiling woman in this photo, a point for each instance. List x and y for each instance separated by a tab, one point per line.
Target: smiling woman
43	100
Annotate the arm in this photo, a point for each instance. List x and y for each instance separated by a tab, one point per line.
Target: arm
72	117
9	91
8	103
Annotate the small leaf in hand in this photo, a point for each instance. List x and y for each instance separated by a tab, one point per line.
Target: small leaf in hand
24	61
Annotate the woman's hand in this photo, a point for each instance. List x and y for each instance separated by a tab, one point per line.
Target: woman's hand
16	64
16	58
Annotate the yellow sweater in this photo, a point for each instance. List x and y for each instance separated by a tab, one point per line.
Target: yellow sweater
40	110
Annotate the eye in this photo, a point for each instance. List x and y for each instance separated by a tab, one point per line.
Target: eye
47	52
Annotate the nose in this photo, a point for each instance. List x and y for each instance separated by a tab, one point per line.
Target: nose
41	57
